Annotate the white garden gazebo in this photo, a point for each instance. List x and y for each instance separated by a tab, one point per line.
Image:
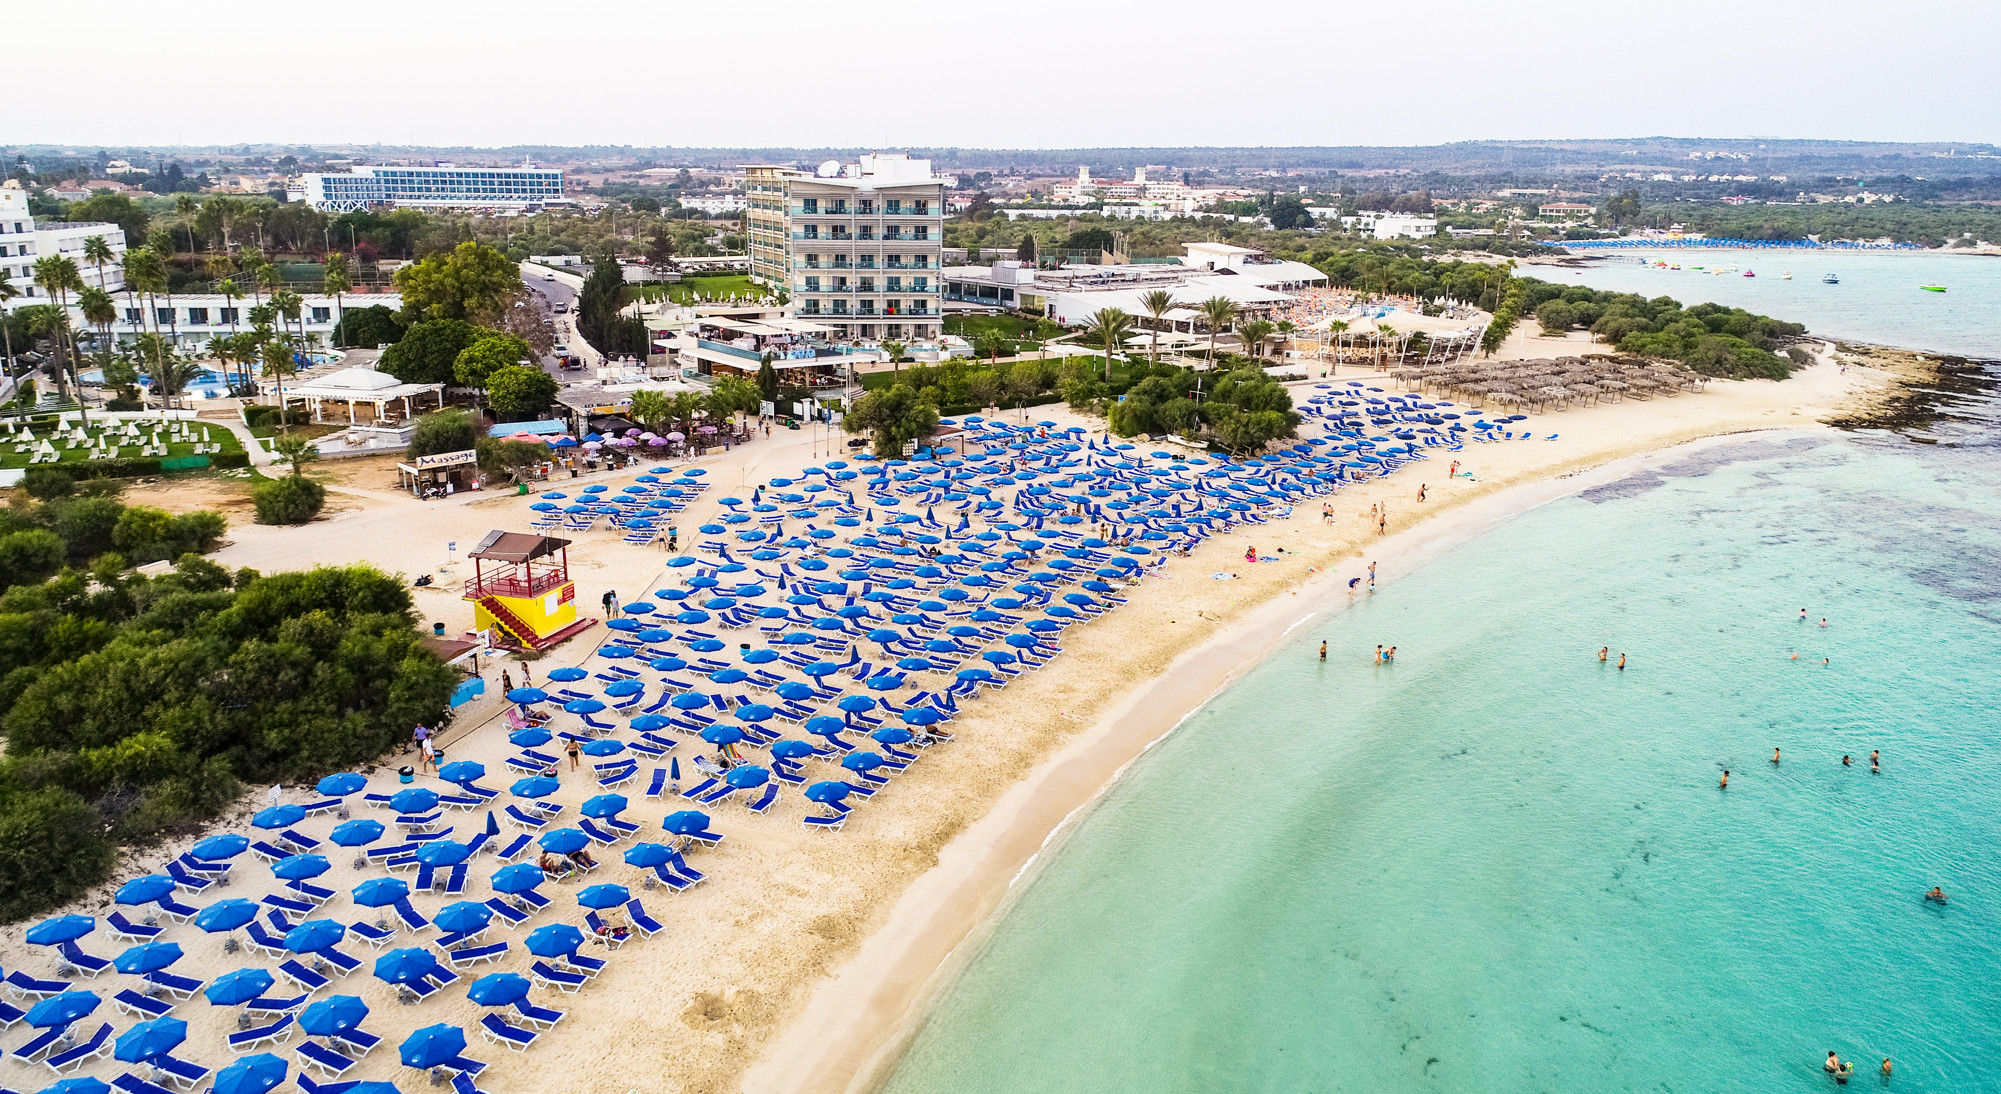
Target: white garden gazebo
363	387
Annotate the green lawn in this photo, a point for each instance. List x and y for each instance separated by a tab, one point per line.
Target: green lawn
696	290
10	458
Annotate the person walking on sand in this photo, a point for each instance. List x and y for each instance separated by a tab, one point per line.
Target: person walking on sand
419	735
610	602
527	678
506	682
1383	522
1454	472
1420	491
573	749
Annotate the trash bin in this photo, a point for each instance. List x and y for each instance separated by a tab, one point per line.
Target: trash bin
406	774
438	629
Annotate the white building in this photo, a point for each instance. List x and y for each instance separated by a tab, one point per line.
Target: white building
22	241
857	245
189	320
718	203
441	186
1254	281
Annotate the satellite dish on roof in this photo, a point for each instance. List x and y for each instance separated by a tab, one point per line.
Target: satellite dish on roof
829	170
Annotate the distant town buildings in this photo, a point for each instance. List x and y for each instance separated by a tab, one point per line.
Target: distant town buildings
1170	197
22	241
1250	278
442	186
1563	209
856	246
718	203
1390	225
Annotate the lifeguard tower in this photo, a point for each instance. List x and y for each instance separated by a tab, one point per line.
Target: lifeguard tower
521	588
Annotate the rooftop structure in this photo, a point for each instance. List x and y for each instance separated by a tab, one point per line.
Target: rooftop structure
443	186
1069	295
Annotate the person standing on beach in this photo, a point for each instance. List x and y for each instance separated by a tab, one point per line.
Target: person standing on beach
419	735
610	602
527	679
1383	521
1454	472
1420	491
506	682
1372	577
573	749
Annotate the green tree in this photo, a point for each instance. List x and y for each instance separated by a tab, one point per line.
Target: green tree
767	379
896	415
483	358
1108	327
650	408
375	325
293	499
517	391
1156	303
146	272
337	281
129	215
472	281
1217	312
97	251
428	352
443	431
1254	334
275	353
58	276
295	452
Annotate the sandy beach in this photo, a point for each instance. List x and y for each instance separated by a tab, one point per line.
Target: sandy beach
803	962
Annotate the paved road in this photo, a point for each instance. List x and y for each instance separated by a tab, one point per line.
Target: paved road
553	293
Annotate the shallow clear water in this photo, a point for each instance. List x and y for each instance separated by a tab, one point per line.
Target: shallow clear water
1878	299
1501	865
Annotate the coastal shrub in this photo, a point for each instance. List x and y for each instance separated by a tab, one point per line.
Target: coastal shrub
1241	411
427	351
443	431
518	391
293	499
368	327
29	556
134	706
895	417
44	483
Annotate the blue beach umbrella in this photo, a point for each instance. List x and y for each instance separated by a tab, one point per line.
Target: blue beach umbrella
884	682
685	822
61	1010
791	750
443	852
746	776
341	785
531	737
431	1046
147	957
527	696
251	1075
518	878
583	706
314	935
856	704
667	664
535	786
333	1015
619	689
144	890
499	989
821	668
380	892
227	915
358	832
404	965
603	746
300	867
225	846
892	735
824	725
567	674
463	917
149	1039
461	771
646	856
690	700
233	989
604	896
279	816
78	1084
828	791
60	929
564	841
754	712
722	735
792	691
554	940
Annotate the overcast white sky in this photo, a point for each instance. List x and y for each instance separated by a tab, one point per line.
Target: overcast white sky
1010	73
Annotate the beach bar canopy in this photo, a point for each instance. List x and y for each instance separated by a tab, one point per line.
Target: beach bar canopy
363	387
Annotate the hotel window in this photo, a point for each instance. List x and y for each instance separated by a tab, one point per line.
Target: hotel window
134	315
198	317
921	208
868	284
892	206
322	315
893	284
163	316
810	205
921	232
226	315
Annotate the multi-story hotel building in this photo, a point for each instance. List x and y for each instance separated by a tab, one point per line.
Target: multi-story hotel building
856	246
443	186
22	241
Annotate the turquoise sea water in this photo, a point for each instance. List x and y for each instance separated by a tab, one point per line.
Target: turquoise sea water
1878	299
1500	865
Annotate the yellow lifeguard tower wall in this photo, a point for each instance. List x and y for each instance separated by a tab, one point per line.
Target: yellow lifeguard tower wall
545	614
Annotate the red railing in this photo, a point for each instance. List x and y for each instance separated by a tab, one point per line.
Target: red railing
535	585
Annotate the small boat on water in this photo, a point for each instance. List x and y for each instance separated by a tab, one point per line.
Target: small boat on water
1787	276
1932	288
1750	273
1830	279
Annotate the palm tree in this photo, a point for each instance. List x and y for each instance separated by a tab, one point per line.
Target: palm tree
1337	328
58	276
336	282
1383	331
290	306
7	292
146	272
229	291
1108	327
1156	305
99	311
278	364
187	206
99	254
895	352
1217	310
1254	334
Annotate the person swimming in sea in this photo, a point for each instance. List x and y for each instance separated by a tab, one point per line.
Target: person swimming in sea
1936	896
1725	784
1392	655
1833	1064
1876	760
1323	649
1803	619
1845	762
1603	651
1379	655
1622	662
